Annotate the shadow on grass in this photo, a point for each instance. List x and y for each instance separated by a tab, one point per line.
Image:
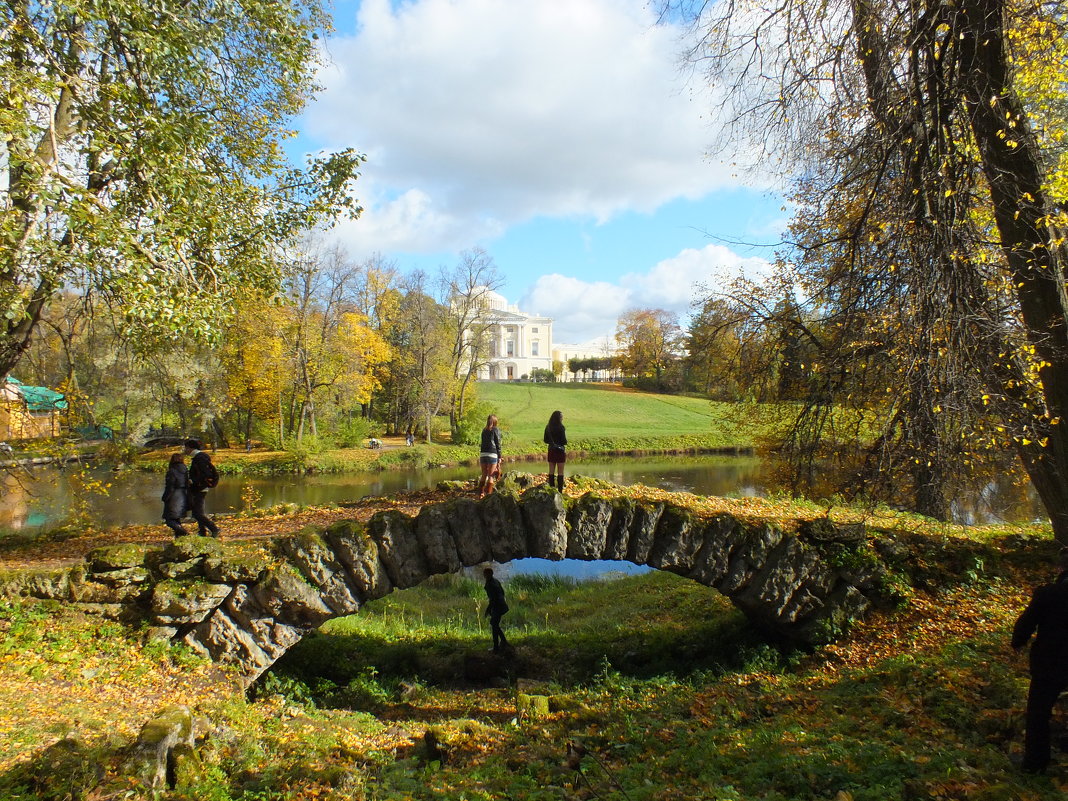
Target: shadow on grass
368	666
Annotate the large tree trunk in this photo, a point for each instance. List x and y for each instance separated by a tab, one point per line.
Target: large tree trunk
1009	155
1011	164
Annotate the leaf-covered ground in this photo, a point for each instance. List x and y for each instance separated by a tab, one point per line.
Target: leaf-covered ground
921	703
658	688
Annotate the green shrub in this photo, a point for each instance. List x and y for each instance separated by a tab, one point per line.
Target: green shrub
353	433
365	692
469	429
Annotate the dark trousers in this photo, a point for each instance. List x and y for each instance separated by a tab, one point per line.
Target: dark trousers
1046	686
499	641
196	508
175	526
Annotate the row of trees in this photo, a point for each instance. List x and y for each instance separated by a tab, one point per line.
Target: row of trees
345	347
923	290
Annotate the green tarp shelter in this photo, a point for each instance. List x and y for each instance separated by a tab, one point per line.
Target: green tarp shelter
39	399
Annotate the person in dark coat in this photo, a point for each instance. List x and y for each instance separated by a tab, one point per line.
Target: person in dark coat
495	609
1047	614
199	467
176	494
556	438
489	457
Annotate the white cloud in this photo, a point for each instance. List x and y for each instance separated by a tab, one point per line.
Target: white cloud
583	311
672	284
479	114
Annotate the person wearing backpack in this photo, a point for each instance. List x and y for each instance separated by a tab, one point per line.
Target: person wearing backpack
203	476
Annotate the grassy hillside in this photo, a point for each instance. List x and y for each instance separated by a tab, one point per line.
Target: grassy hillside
598	414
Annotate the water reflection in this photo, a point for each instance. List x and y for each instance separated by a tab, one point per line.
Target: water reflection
134	497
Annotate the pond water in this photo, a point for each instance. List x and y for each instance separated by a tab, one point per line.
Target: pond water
43	499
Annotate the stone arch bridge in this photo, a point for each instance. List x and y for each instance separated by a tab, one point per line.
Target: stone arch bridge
247	602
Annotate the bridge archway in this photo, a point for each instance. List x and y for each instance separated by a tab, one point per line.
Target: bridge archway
802	585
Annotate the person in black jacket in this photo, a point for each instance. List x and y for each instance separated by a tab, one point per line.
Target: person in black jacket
199	468
1047	614
489	457
556	438
495	609
176	494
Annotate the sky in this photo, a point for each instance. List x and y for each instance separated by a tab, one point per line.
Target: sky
560	136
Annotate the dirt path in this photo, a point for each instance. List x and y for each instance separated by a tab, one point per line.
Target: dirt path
47	554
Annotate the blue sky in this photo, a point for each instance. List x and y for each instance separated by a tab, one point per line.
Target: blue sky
559	136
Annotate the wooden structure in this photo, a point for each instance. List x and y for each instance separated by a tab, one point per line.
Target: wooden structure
30	412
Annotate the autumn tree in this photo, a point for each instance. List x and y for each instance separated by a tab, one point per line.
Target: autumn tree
257	366
378	296
124	382
422	376
465	304
142	157
333	350
719	356
916	149
649	340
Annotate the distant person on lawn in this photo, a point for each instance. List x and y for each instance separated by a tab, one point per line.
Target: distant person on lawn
176	494
556	438
202	477
489	457
1047	614
495	609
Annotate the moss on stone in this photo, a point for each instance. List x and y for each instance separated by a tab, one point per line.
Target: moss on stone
117	557
240	568
186	549
532	706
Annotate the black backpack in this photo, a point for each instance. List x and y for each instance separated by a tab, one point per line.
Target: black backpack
202	472
211	476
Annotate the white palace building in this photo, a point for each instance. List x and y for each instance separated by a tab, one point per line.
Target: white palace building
521	343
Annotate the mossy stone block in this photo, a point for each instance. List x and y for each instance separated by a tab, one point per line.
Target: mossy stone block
236	569
186	601
117	557
186	549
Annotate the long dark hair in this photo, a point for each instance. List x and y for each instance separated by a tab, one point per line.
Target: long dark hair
556	418
491	421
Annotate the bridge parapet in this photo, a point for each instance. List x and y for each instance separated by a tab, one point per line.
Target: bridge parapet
246	603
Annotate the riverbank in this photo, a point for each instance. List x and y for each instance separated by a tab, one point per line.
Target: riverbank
396	455
64	546
603	420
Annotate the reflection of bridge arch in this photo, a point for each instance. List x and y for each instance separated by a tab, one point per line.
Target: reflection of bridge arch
794	585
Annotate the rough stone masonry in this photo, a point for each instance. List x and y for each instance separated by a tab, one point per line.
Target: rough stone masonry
245	603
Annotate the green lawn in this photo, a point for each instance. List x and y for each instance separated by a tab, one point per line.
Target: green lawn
600	419
596	416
